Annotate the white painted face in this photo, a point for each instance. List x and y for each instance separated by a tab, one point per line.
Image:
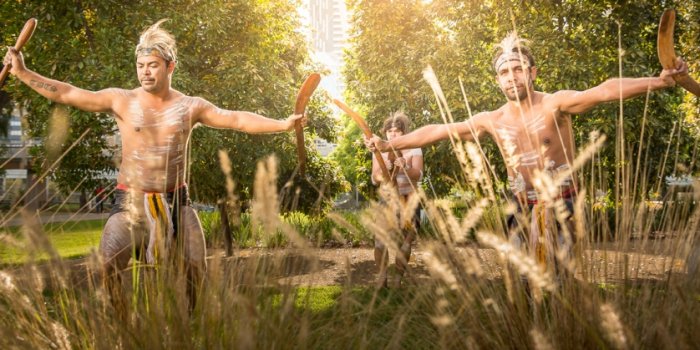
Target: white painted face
515	79
393	133
153	73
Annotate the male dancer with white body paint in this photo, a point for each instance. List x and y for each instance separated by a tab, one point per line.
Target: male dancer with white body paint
533	129
155	122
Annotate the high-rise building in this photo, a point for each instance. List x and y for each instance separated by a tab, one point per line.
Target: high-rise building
330	25
329	33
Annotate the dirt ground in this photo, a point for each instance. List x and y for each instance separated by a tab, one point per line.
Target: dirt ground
604	263
355	266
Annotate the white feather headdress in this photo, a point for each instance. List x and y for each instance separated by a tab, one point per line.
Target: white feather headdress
157	42
510	50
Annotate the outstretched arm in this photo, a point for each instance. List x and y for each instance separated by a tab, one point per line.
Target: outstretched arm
575	102
467	130
90	101
248	122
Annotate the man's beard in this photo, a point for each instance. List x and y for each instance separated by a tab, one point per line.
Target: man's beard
518	94
150	87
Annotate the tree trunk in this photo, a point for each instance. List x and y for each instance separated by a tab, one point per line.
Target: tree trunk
83	199
226	228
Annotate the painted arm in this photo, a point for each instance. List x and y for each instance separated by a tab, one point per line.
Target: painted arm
247	122
468	130
575	102
57	91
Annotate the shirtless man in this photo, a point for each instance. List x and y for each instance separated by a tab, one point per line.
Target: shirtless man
533	129
155	122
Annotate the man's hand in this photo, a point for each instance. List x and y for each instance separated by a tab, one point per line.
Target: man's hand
375	143
293	118
14	58
401	163
669	75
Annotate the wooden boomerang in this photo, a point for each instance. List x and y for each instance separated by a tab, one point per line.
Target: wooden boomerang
307	88
667	54
24	36
365	130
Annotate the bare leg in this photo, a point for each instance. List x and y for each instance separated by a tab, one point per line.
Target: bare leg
409	231
381	258
120	240
195	251
404	254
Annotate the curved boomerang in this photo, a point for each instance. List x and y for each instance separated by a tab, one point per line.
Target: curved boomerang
365	130
305	92
24	36
667	53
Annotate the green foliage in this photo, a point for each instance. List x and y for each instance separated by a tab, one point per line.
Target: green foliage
320	231
211	224
687	15
6	107
71	44
355	160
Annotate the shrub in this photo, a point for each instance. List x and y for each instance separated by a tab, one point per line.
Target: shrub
211	225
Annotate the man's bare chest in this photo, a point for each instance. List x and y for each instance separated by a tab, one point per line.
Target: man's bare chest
173	118
527	132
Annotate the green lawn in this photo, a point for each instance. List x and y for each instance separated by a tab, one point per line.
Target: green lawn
70	239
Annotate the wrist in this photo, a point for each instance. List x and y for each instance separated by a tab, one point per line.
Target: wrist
665	82
20	72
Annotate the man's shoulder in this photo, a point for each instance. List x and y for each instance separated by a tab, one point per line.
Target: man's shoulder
558	97
493	115
192	100
119	92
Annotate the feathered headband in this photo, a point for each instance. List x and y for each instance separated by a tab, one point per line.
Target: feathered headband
510	46
155	41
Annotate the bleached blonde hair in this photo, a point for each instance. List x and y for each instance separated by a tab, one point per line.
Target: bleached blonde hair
157	42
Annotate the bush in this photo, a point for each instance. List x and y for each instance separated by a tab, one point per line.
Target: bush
338	228
345	227
211	225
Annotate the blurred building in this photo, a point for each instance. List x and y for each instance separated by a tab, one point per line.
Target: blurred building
329	33
16	176
324	147
328	36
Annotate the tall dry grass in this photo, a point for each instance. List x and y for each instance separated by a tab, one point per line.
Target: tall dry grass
627	290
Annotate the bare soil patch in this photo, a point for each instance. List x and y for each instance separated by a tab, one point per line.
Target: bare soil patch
355	266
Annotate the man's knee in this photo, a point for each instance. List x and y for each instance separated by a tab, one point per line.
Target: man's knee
120	240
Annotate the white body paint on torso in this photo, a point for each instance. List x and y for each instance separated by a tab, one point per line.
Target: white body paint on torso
154	143
531	143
